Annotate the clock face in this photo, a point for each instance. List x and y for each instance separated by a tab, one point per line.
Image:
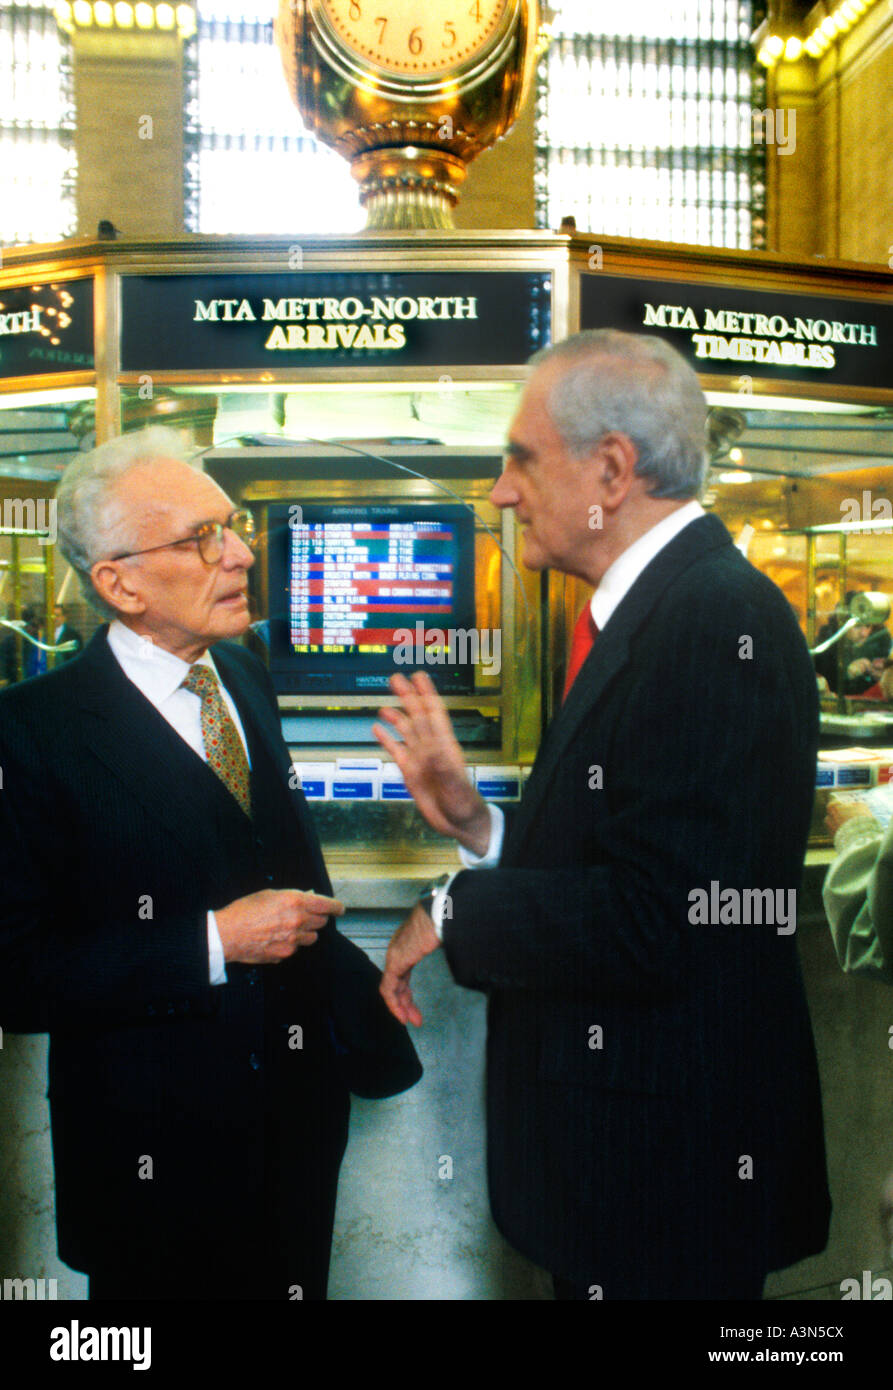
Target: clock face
413	40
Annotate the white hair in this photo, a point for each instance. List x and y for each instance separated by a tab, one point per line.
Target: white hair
93	520
638	385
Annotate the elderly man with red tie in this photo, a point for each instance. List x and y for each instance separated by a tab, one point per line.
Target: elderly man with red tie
654	1119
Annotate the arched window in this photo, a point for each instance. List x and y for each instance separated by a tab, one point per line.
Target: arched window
251	165
37	163
645	122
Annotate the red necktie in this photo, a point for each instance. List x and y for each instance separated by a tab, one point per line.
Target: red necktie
585	633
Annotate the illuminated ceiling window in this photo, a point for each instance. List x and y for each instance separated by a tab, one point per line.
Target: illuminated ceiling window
37	163
251	164
645	122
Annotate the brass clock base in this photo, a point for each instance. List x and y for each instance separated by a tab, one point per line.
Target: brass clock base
411	96
408	187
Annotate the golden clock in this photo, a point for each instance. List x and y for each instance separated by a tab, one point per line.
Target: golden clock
409	92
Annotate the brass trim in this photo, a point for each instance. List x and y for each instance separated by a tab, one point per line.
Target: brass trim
800	390
107	312
663	260
61	267
52	381
489	701
343	375
360	489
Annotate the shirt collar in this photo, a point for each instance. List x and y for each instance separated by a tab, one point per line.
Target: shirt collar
155	672
619	578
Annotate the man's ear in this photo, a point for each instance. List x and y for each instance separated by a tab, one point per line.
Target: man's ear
115	585
616	459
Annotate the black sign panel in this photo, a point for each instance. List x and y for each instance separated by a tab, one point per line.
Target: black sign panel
757	333
213	322
46	328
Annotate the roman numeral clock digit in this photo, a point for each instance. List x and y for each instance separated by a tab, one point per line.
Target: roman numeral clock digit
409	92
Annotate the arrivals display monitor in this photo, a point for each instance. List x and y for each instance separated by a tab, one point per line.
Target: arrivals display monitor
361	591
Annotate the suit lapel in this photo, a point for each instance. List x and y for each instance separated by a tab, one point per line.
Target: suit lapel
125	731
609	655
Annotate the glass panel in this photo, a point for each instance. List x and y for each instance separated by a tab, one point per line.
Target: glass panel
441	412
251	164
37	163
39	434
644	126
779	470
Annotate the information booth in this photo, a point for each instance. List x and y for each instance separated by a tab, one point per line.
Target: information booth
355	394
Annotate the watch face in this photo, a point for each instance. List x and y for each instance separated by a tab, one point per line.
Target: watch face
414	40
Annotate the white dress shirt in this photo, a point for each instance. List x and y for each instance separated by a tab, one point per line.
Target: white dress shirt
620	577
615	584
159	675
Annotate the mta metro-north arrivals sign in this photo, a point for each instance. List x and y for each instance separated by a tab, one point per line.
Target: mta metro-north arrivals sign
418	319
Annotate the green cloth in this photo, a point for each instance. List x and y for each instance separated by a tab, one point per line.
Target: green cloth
858	897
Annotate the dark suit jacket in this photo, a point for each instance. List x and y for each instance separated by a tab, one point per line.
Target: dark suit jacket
621	1157
115	840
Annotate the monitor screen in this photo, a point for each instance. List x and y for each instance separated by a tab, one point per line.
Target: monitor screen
361	591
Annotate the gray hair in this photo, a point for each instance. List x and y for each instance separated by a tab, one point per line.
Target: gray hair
92	518
637	385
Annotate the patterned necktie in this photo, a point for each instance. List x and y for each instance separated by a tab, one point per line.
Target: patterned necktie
585	633
223	746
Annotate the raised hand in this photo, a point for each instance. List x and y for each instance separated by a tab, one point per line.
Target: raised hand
432	762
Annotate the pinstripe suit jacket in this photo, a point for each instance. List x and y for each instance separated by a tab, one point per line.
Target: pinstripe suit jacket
640	1065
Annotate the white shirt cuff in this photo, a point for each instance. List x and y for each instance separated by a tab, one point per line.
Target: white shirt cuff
440	907
490	859
216	958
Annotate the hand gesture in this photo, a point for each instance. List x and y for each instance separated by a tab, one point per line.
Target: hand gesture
267	927
411	942
432	763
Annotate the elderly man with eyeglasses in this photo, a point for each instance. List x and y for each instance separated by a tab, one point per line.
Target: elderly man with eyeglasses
207	1021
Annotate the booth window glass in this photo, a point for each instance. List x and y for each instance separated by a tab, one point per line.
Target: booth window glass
251	166
37	161
645	122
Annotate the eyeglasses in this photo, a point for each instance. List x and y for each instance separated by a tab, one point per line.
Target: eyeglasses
209	538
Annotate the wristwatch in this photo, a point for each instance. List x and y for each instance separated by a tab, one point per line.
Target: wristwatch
427	899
